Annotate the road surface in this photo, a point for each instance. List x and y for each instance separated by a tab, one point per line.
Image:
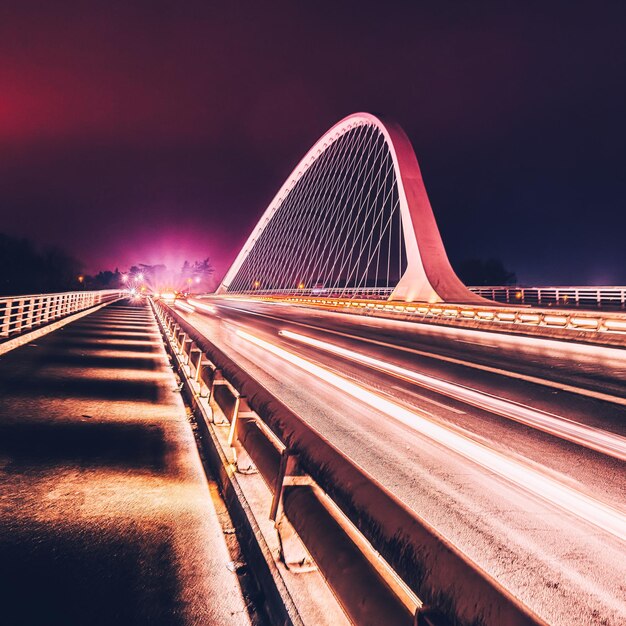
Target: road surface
512	447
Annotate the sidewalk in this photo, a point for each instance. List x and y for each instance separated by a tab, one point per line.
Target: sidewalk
106	516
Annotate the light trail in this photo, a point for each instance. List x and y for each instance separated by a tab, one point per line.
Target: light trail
208	308
590	393
607	443
585	507
184	306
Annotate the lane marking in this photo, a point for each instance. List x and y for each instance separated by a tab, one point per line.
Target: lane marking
587	508
589	393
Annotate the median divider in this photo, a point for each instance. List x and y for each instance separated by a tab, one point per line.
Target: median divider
384	563
595	327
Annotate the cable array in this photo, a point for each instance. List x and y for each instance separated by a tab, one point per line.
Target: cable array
338	230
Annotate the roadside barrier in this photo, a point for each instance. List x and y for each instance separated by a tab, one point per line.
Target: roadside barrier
593	326
385	564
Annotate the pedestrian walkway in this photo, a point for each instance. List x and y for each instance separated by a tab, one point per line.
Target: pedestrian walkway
106	516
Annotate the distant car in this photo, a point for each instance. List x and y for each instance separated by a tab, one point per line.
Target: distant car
169	296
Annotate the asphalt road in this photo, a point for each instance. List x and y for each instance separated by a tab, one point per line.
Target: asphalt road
513	448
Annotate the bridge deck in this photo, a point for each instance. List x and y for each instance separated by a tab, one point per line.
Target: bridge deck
105	513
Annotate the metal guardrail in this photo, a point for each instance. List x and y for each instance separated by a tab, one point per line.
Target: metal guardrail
303	471
603	322
21	313
579	297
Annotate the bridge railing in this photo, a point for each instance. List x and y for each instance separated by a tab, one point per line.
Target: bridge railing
582	297
341	513
605	323
21	313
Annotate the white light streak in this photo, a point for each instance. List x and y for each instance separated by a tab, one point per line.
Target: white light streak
585	507
607	443
184	306
208	308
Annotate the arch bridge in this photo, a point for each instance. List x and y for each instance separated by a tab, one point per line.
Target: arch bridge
352	220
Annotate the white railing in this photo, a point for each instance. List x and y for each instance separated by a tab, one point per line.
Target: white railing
583	297
21	313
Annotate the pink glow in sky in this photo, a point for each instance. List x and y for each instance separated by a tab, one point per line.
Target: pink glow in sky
143	132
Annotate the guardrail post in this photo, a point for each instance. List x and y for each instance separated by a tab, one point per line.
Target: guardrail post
218	379
292	551
243	462
186	347
195	357
181	335
205	366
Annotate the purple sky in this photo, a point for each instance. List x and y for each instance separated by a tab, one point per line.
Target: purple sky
157	132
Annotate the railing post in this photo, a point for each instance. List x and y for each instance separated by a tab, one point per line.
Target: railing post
44	311
292	551
29	316
17	326
39	317
5	327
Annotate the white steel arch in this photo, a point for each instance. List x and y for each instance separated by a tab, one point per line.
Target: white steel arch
427	275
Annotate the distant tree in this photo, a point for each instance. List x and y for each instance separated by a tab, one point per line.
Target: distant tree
481	272
24	269
203	268
104	280
156	274
60	269
195	276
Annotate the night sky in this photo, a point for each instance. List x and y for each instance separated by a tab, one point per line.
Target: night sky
157	132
